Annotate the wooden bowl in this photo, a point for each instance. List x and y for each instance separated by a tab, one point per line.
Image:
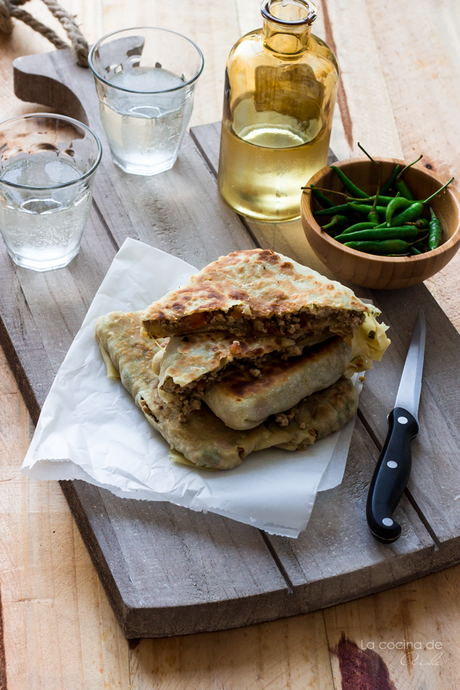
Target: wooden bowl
374	271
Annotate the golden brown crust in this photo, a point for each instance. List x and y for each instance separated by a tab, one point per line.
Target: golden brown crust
321	414
243	401
189	358
204	439
193	363
252	291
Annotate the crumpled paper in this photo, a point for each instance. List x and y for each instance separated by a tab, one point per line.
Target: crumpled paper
90	429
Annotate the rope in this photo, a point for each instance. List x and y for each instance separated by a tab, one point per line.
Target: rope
10	9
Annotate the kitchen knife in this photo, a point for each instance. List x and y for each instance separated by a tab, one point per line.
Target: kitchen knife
393	467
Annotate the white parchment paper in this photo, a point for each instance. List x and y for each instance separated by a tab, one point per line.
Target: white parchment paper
90	428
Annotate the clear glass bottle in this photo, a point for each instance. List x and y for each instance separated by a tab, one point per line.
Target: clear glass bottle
280	88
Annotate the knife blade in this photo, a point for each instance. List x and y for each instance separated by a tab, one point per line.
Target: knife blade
394	464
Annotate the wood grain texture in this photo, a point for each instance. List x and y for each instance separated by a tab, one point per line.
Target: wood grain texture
116	531
321	555
151	210
47	582
279	655
167	571
96	656
148	209
377	399
364	105
391	627
419	81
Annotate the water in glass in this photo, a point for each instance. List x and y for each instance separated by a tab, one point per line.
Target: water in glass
144	129
42	227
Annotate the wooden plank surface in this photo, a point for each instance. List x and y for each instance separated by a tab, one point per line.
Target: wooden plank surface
157	210
399	311
146	209
293	651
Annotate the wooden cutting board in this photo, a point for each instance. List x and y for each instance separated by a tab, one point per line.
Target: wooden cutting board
170	571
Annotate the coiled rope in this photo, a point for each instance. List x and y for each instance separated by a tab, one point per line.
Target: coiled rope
11	9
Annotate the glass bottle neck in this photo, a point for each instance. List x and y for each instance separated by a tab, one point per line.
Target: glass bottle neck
284	40
287	25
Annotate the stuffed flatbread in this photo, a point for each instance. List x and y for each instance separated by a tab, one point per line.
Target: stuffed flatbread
253	293
204	440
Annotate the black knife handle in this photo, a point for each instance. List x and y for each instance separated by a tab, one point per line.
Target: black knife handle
391	475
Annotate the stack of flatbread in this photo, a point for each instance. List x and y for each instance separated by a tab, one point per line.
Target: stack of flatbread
254	351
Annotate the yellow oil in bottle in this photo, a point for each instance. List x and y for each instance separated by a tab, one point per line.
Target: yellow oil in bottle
280	88
265	167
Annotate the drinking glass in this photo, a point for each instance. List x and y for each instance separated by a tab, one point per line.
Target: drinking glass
47	168
145	80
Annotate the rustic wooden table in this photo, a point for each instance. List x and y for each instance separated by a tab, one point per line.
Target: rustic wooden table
400	96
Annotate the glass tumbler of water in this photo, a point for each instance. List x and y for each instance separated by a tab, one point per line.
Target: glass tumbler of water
47	168
145	80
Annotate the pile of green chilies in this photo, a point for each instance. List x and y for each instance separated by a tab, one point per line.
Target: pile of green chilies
390	222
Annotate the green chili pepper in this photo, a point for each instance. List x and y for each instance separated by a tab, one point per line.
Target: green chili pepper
397	203
373	216
391	180
441	189
360	226
333	210
415	210
404	190
336	225
421	223
435	226
406	232
421	244
348	184
401	186
414	250
412	213
382	200
383	247
362	208
322	198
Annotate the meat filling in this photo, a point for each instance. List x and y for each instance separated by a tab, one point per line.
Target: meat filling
188	398
338	321
185	399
